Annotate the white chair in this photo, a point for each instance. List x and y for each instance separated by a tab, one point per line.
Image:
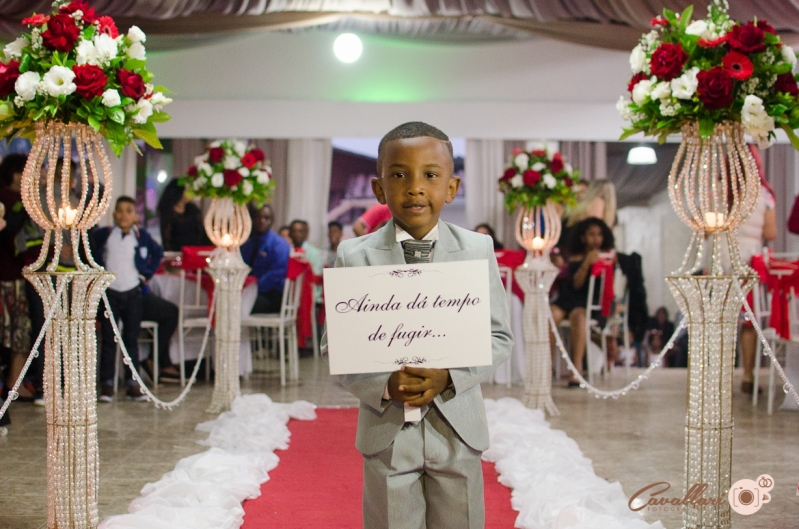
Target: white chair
152	328
592	325
286	324
762	311
506	273
192	314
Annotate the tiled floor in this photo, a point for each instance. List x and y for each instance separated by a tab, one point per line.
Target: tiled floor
636	440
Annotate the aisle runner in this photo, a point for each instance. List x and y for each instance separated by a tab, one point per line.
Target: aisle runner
554	485
319	481
205	490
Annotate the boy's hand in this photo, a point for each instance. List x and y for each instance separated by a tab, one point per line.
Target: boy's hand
426	384
401	379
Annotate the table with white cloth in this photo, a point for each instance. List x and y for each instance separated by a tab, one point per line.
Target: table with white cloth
167	286
517	356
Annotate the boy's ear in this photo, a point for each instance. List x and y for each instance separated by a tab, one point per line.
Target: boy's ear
452	188
377	189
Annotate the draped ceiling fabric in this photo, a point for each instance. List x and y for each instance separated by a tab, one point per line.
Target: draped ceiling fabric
615	24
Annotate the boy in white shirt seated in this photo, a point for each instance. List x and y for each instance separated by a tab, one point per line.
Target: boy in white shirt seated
133	254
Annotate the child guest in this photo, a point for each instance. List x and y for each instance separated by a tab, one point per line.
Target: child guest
426	473
133	254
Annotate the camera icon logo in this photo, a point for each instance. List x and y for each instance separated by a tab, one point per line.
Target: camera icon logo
747	496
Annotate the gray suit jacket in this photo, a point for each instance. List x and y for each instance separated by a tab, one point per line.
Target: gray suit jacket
380	420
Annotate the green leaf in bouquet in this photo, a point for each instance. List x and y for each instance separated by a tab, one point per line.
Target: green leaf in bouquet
89	32
159	117
83	112
627	133
116	114
162	89
669	15
93	122
685	17
135	64
25	64
6	111
791	136
778	110
125	101
706	127
781	68
147	133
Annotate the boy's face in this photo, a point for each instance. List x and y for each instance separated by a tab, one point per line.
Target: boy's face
125	215
415	182
262	220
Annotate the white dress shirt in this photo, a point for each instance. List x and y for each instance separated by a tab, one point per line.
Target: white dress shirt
120	253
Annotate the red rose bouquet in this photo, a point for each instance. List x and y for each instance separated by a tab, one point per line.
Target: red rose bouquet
709	71
533	177
74	66
231	169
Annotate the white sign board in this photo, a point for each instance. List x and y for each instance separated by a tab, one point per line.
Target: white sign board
434	315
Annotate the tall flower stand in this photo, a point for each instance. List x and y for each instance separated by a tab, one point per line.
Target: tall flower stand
537	230
70	372
228	225
713	186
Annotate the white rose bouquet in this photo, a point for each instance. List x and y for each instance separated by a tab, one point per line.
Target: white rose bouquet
536	176
74	66
709	71
231	169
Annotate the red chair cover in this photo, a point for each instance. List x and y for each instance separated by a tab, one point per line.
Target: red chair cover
780	288
305	311
513	259
606	265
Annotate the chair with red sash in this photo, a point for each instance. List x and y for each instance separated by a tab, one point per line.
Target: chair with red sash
603	273
192	310
774	304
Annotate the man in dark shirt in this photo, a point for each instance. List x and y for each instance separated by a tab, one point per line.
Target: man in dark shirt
268	255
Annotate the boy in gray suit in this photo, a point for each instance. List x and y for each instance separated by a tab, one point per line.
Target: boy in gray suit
425	473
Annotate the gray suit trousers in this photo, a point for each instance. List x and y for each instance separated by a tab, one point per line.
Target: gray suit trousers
428	478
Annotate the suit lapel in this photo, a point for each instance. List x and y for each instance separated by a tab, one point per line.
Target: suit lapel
385	251
447	247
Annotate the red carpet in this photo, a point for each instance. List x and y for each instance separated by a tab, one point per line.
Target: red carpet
321	489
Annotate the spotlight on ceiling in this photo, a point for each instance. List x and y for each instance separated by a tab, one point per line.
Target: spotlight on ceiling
347	47
642	156
162	176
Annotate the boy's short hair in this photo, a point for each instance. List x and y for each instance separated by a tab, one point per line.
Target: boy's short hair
412	129
124	199
298	221
336	224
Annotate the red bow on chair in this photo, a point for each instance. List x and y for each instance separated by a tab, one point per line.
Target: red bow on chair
780	276
605	265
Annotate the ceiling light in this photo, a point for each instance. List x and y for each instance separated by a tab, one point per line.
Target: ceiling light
347	47
642	156
161	176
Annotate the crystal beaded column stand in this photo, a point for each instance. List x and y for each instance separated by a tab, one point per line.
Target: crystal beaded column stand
70	365
229	272
227	225
713	186
535	278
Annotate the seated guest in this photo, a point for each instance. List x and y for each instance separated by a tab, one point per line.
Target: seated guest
486	229
298	233
268	256
335	231
371	220
661	326
181	219
285	232
134	256
589	238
